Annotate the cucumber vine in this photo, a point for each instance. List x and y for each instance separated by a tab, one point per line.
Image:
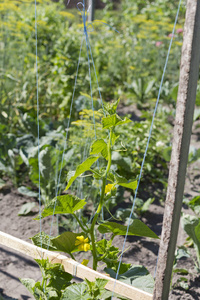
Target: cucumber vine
86	240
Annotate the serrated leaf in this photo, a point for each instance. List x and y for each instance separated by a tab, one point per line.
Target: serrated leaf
44	240
114	138
26	209
114	120
75	292
28	283
137	228
85	166
111	107
54	272
99	146
34	288
137	276
64	204
66	242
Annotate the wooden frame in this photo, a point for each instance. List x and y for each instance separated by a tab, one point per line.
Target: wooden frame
73	267
189	73
182	132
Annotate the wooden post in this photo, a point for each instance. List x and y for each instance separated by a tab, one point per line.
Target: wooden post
73	267
181	140
91	4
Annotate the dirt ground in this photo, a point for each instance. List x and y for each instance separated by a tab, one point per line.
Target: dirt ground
14	265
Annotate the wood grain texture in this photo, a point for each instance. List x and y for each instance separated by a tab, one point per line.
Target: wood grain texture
181	140
72	267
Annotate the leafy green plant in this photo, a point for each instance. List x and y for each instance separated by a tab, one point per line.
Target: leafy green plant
56	285
142	90
102	251
182	281
191	225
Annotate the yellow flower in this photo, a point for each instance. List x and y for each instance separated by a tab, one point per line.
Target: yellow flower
108	188
82	243
85	262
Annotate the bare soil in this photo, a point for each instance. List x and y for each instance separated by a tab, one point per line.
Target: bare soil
14	265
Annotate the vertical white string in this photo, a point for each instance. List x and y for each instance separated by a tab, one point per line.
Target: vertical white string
148	141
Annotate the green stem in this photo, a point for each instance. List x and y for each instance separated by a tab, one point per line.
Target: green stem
94	251
44	281
72	256
109	154
79	222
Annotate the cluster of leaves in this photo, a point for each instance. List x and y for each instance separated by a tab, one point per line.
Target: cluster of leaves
102	251
59	39
57	285
145	29
191	225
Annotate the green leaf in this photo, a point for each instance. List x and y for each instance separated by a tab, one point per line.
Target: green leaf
181	271
136	228
85	166
99	146
181	252
25	191
93	290
114	138
137	276
65	204
130	185
52	294
194	204
66	242
57	277
44	240
28	283
75	292
34	288
166	153
123	162
191	225
114	120
196	114
146	205
122	181
111	107
26	209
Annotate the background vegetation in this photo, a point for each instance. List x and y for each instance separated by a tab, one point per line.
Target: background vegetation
129	65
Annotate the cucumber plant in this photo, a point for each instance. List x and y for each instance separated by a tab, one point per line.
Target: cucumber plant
102	251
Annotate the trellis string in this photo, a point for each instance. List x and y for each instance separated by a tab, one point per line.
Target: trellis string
69	120
66	138
38	121
148	141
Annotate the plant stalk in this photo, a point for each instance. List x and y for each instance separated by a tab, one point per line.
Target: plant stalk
79	222
94	251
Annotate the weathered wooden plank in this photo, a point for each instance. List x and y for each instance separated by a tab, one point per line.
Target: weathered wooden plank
72	267
181	140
